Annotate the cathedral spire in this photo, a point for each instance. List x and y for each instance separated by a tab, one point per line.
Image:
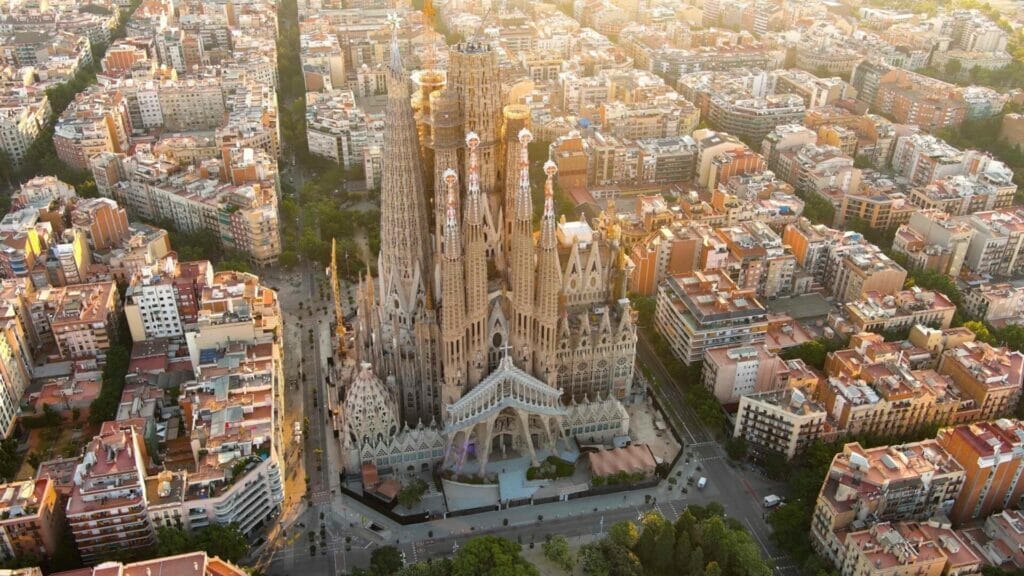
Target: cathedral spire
474	211
452	241
524	200
395	64
549	281
475	262
547	220
521	262
453	304
405	261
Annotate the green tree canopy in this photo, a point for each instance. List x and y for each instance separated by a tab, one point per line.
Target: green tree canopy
491	556
385	561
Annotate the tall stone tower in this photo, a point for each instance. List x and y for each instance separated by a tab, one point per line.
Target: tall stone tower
517	117
407	319
447	139
453	311
520	263
549	286
477	302
474	78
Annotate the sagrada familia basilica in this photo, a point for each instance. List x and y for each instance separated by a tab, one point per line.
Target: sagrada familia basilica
481	335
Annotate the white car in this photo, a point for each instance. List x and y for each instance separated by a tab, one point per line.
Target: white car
702	483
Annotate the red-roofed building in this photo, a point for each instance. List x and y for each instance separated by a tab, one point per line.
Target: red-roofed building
190	564
30	519
107	510
992	455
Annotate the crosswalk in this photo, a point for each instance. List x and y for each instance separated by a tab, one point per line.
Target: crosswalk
321	497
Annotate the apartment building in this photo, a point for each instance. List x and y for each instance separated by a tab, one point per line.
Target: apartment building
236	198
879	207
923	159
732	163
908	549
867	77
991	376
668	251
703	310
229	412
765	265
235	300
999	540
31	519
191	564
782	422
337	129
43	190
104	223
936	341
932	240
912	98
81	318
97	121
889	398
661	117
163	299
997	243
752	118
663	160
900	310
107	509
811	245
855	269
888	483
782	138
815	91
992	188
15	358
711	144
21	120
997	304
732	372
193	104
992	456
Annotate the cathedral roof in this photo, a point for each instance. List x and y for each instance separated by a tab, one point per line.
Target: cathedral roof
369	409
506	387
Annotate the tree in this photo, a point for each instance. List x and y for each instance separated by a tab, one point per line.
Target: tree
712	569
647	547
557	550
953	68
980	330
412	494
624	533
812	352
606	558
664	548
225	541
172	541
491	556
385	561
104	407
9	460
736	447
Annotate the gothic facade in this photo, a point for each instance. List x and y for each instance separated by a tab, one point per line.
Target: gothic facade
469	289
